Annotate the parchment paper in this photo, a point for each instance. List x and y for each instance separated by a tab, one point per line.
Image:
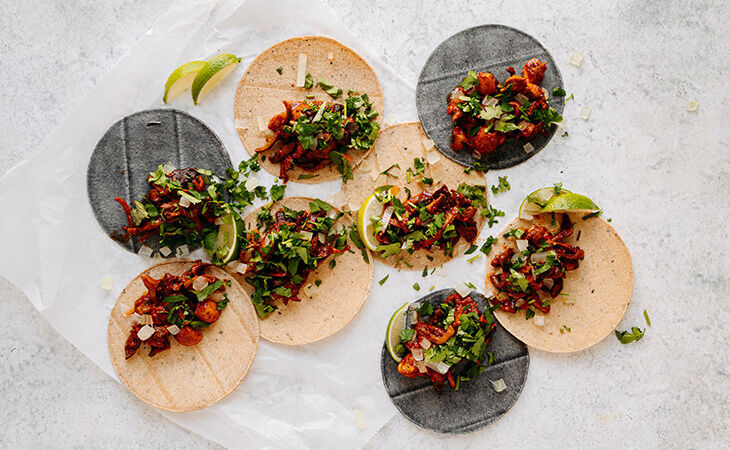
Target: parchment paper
55	252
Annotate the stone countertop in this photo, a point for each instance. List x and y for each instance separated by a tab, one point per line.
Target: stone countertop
659	171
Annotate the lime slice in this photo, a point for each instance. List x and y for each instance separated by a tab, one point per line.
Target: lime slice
211	74
225	248
529	208
570	202
396	324
181	79
371	207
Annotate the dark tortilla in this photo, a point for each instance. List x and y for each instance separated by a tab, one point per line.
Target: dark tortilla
475	405
135	146
485	48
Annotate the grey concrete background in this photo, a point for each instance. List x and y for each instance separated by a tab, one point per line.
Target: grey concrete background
645	60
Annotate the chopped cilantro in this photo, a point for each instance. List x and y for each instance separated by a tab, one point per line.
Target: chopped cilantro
502	186
383	280
280	70
627	337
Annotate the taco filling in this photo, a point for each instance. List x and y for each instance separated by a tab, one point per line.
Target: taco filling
285	248
529	276
314	134
181	207
453	333
179	306
440	218
486	112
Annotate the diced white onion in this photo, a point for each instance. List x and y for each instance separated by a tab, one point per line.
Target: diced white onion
301	70
184	202
425	344
182	250
421	366
306	235
145	319
522	244
216	296
387	214
548	283
173	329
538	257
135	318
585	112
514	258
414	316
251	183
498	385
199	283
463	290
428	144
545	93
539	321
576	58
145	251
145	332
417	354
521	98
240	124
490	101
165	251
232	265
433	156
528	148
168	167
692	106
107	282
360	420
330	56
241	268
440	367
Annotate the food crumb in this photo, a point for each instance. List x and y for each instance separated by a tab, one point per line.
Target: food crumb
576	58
585	112
360	419
692	106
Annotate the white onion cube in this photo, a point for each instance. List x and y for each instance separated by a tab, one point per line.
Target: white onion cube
145	251
241	268
184	202
145	332
498	385
168	167
463	290
539	321
301	70
528	148
173	329
251	183
182	250
522	244
585	112
165	251
433	157
107	282
330	56
576	58
417	354
199	283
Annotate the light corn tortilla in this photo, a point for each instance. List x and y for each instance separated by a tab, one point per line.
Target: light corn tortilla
401	144
182	378
262	89
600	290
324	309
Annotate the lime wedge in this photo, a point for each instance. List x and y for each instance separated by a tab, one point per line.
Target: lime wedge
396	324
211	74
532	204
570	202
181	79
226	244
371	207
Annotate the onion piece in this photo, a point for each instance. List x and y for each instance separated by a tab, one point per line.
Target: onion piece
173	329
241	268
568	300
539	321
433	157
498	385
538	257
440	367
428	144
165	251
251	183
387	214
490	101
301	70
548	283
145	333
168	167
107	282
330	56
184	202
585	112
528	148
145	251
421	366
576	58
425	344
414	316
135	318
305	235
521	98
692	106
199	283
463	290
182	250
522	244
360	420
417	354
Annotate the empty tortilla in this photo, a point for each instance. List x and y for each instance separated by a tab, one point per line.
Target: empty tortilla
135	146
598	292
401	144
485	48
184	378
476	404
262	89
324	309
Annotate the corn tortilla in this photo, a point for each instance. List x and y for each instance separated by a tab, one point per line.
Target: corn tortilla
181	378
599	290
401	144
262	89
324	309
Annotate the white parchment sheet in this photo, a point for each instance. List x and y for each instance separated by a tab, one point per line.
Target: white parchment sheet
55	252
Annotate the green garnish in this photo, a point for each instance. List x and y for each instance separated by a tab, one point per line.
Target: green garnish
383	280
280	70
416	286
502	186
593	214
491	214
308	81
627	337
646	317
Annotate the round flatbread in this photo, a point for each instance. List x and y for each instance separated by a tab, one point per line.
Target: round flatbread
135	146
401	144
184	378
476	404
485	48
598	292
262	89
324	309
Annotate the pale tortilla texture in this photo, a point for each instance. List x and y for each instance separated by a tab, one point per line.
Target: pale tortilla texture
184	378
324	309
261	91
600	290
401	144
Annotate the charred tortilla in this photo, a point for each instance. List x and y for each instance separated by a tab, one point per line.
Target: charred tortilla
187	378
597	294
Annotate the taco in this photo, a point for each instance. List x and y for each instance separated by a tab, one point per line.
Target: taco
311	107
199	327
406	172
561	282
305	274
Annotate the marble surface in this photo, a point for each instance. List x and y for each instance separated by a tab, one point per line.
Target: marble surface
660	172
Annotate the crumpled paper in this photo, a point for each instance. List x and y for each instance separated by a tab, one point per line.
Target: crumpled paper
53	249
